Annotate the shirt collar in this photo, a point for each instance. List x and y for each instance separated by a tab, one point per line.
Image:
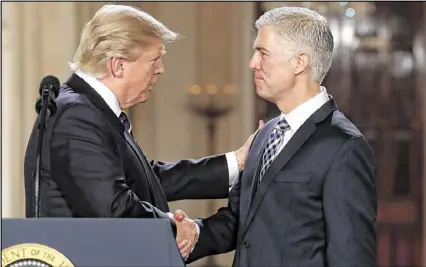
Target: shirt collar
107	95
300	114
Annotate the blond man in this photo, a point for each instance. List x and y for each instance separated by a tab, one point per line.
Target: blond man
93	167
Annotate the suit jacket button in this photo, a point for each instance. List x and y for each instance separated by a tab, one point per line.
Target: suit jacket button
246	245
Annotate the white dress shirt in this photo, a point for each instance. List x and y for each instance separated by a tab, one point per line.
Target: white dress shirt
300	114
112	101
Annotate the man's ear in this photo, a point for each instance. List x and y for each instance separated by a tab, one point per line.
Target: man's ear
116	66
300	63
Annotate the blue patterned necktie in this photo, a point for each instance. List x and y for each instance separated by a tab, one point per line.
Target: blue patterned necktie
274	142
126	122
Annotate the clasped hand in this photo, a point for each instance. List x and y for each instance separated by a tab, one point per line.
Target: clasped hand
187	235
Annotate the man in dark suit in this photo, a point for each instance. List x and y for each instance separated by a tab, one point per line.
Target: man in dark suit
307	195
92	166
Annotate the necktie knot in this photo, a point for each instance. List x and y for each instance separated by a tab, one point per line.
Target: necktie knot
282	125
272	146
126	122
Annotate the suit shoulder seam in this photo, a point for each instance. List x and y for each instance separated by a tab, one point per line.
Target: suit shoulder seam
350	138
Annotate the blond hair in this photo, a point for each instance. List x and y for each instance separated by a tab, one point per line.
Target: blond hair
306	31
116	31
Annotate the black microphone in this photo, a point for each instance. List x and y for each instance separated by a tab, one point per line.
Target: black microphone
45	107
49	90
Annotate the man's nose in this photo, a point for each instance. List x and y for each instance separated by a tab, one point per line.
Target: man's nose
160	68
253	63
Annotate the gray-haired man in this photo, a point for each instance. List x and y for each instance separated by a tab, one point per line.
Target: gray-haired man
307	195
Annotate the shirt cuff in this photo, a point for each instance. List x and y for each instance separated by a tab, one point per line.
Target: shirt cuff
233	169
198	229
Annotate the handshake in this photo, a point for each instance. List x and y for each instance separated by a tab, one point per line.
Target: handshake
187	233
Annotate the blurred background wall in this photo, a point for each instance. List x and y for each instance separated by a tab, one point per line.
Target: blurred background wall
377	79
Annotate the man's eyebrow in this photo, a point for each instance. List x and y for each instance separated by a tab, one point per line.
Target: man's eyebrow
260	48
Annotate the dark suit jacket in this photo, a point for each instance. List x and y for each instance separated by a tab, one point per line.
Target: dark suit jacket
92	167
316	205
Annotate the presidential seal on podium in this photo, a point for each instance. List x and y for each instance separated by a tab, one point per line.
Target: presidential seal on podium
33	255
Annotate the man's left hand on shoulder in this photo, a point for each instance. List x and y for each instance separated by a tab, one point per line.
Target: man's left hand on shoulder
242	153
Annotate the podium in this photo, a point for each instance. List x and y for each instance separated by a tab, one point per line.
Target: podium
86	242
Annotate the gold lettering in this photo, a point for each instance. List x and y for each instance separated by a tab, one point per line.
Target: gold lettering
45	255
24	254
49	256
35	252
19	252
4	260
15	254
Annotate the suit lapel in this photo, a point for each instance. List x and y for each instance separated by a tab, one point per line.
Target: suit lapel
80	86
285	155
131	142
290	149
146	167
249	177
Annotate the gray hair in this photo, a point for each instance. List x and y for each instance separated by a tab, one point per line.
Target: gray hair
305	31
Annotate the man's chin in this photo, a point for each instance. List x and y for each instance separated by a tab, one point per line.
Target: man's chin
145	96
262	92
